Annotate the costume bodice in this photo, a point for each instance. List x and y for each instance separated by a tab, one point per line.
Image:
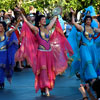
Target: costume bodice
85	37
43	40
3	43
89	35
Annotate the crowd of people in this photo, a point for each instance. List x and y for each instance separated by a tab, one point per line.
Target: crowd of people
46	44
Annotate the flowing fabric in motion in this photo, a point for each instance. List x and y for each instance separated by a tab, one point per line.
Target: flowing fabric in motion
45	64
8	47
74	39
12	46
86	63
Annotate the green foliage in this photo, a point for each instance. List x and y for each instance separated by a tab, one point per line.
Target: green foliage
7	4
49	5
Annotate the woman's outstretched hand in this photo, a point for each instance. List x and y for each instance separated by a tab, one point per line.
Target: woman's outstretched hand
72	11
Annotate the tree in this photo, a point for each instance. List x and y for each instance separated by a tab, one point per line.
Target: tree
7	4
48	5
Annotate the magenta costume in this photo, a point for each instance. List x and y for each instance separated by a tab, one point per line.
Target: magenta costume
47	54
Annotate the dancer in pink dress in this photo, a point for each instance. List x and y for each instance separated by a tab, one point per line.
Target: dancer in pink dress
45	52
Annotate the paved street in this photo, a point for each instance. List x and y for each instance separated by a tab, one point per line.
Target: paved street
22	88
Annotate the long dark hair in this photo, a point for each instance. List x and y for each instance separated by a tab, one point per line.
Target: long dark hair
38	17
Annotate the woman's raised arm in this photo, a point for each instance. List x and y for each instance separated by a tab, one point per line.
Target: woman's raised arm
52	22
32	27
79	27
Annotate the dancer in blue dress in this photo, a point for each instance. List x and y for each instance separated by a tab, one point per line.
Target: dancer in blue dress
8	47
74	39
89	61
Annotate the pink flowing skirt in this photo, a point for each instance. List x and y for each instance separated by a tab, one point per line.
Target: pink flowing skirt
45	70
45	64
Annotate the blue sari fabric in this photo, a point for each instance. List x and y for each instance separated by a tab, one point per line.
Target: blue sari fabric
89	59
12	48
91	10
7	57
12	45
97	42
3	58
85	59
74	40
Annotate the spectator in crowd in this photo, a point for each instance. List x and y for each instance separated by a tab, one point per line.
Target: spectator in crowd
95	87
2	14
32	18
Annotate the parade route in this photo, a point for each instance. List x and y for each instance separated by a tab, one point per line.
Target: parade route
22	88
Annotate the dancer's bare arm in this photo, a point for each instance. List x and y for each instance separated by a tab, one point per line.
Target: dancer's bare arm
49	27
32	27
79	27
